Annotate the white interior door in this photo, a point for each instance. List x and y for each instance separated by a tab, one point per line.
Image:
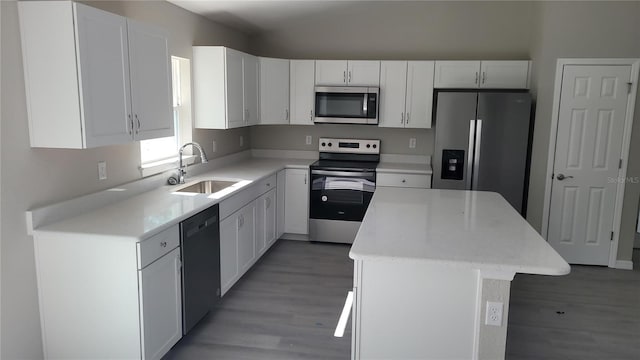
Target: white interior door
593	103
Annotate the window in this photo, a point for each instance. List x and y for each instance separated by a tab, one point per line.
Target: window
157	155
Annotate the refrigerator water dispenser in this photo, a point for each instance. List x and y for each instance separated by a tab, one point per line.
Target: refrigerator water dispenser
452	164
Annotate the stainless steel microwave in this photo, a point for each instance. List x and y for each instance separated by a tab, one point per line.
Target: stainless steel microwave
346	105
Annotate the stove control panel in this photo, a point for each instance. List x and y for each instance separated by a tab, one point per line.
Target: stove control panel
352	146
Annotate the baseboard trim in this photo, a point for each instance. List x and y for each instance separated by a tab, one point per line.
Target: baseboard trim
297	237
624	264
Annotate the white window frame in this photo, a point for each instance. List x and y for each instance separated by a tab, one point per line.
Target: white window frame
181	91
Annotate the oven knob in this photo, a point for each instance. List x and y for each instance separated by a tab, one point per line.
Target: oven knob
368	146
330	144
375	146
324	198
324	144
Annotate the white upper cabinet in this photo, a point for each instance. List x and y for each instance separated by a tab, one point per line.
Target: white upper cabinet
225	88
302	74
98	93
274	91
457	74
250	88
150	81
406	94
505	74
347	73
482	74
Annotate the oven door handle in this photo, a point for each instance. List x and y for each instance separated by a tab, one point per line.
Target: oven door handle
342	173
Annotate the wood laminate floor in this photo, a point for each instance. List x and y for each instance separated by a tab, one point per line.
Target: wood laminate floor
287	306
592	313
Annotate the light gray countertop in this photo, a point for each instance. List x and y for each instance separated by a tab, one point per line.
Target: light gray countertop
147	214
473	229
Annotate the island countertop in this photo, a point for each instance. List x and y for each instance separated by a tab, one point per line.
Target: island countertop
473	229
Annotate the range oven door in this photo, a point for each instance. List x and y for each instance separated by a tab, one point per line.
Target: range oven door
346	105
340	195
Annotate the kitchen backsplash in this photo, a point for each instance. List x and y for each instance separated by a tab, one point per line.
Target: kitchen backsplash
293	137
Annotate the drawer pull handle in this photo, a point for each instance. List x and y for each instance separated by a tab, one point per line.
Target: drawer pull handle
163	244
268	184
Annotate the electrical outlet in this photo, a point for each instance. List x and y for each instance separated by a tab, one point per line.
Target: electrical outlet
494	313
241	141
214	147
412	143
102	170
308	140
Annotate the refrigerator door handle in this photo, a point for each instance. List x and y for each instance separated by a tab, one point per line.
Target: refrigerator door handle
476	155
472	131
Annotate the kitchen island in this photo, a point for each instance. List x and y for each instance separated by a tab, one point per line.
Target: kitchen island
428	261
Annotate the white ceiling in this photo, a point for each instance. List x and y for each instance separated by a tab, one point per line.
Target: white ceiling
251	16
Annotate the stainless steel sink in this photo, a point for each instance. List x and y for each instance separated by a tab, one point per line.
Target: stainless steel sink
207	186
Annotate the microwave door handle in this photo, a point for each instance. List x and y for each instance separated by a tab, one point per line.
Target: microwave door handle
364	104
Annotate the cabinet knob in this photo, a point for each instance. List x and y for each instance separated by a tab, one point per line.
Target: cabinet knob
131	123
404	181
268	184
163	244
138	120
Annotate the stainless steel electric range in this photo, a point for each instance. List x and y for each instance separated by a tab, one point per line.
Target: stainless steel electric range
342	183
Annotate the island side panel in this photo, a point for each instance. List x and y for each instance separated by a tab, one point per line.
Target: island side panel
412	309
88	293
493	339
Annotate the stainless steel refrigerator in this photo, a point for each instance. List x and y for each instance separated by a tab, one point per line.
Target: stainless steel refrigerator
482	141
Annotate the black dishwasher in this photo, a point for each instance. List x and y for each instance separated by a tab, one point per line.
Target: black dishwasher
200	247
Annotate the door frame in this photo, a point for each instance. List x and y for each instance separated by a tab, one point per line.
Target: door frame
624	154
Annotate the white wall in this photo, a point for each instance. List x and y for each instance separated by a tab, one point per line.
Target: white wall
33	177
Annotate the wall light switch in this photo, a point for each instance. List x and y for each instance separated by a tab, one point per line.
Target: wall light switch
308	140
412	143
241	141
102	170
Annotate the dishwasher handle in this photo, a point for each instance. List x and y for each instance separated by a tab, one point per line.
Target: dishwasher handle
195	228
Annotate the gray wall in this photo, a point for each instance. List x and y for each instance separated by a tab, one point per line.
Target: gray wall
582	30
33	177
541	31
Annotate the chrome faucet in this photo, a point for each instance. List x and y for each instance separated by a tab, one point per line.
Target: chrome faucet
182	171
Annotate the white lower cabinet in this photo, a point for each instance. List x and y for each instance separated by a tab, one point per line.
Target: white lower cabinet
247	229
246	237
108	298
266	221
296	201
161	299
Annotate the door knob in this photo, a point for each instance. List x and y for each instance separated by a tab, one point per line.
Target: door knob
562	177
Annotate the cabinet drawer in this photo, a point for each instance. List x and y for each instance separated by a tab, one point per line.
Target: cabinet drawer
154	247
403	180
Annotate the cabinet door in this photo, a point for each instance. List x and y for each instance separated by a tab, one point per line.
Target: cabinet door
250	88
274	91
234	91
150	66
161	298
270	226
393	85
281	184
505	75
246	237
296	219
331	72
265	221
228	252
103	53
302	91
419	94
363	73
457	74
